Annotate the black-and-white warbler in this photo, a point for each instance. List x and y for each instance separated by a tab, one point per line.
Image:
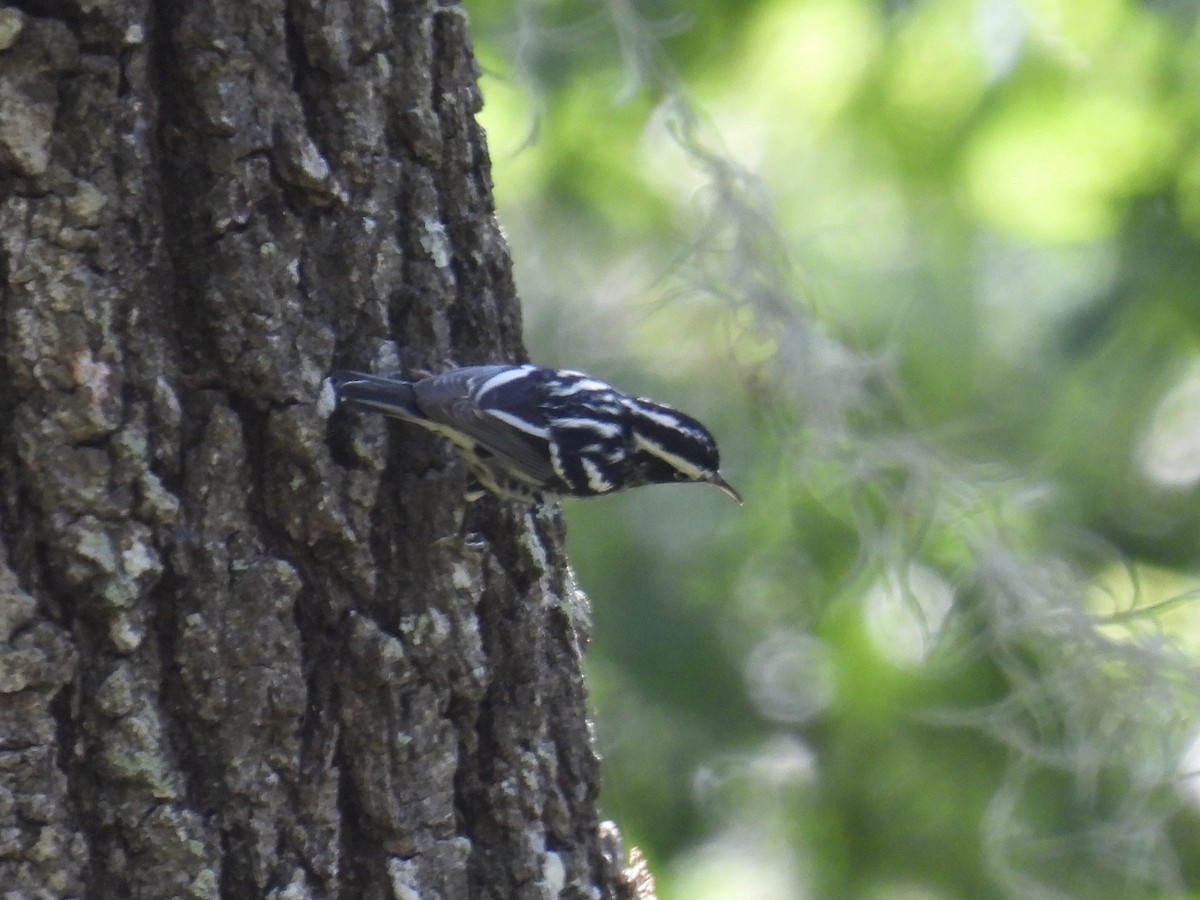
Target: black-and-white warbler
531	433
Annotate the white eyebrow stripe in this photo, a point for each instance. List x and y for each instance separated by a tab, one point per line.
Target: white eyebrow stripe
606	429
583	384
502	379
520	424
665	419
677	462
596	480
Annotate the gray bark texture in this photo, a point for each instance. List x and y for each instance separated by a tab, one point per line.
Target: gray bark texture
248	648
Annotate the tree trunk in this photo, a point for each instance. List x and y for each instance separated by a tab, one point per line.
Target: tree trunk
248	649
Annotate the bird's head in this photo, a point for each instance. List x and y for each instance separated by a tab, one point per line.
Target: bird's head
671	446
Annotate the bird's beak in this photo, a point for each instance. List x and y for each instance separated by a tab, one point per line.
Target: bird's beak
726	488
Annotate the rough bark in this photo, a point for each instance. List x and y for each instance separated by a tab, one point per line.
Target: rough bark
248	649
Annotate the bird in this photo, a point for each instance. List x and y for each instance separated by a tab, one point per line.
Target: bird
535	434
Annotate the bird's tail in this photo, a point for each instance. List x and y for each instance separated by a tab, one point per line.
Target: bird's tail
390	396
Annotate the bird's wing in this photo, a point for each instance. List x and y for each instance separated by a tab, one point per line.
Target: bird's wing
458	401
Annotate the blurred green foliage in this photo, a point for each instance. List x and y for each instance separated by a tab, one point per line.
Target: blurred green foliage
931	271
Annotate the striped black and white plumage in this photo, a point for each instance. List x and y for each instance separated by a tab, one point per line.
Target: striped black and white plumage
531	433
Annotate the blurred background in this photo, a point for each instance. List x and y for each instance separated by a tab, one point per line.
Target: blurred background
931	272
